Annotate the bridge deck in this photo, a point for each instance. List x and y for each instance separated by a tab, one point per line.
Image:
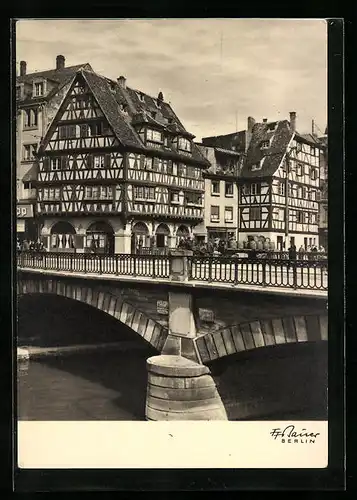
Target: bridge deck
306	293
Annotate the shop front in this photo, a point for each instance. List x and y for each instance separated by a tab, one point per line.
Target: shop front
26	227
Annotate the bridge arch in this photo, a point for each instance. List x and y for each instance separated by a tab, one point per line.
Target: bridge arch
258	334
151	331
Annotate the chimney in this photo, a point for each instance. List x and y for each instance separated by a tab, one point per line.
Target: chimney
160	97
251	123
293	120
122	82
60	62
265	120
22	68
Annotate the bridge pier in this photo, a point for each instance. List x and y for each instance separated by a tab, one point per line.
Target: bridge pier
178	387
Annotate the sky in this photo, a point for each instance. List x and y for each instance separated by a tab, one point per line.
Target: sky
214	72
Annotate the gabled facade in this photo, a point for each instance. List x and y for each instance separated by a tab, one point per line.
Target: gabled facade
279	186
221	193
323	206
117	171
38	97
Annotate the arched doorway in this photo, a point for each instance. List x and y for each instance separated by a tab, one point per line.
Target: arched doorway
181	234
62	237
162	236
100	238
140	238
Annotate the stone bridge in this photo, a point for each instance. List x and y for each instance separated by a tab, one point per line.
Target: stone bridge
198	332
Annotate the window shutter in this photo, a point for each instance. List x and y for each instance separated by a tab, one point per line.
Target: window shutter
90	161
156	164
107	161
46	164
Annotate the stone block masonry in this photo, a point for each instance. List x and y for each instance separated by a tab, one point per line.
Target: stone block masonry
180	389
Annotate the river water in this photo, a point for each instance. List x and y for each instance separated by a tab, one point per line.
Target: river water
99	384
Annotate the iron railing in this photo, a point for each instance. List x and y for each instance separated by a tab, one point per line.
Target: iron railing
295	273
270	272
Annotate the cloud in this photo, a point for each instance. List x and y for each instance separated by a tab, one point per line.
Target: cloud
212	70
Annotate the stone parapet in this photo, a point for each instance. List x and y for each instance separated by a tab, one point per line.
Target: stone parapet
180	389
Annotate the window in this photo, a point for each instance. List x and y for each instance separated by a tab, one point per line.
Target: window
31	118
105	192
144	192
84	130
228	214
229	189
27	185
254	213
281	188
18	92
98	161
265	144
313	174
304	192
98	192
313	195
290	191
215	187
29	151
312	218
67	131
246	189
56	163
181	170
52	194
174	197
95	128
190	172
255	189
298	147
312	150
299	170
300	217
193	198
148	162
153	135
215	213
184	144
38	89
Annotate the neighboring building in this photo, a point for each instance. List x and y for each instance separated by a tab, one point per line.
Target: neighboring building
38	97
323	212
117	171
279	185
221	193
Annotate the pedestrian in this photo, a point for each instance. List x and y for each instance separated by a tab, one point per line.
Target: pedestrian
301	252
221	247
18	244
25	246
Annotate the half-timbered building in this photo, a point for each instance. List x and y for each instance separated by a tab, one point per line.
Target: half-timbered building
38	97
279	185
117	171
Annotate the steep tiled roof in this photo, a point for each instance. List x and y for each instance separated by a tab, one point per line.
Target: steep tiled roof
270	157
106	100
140	108
236	140
57	76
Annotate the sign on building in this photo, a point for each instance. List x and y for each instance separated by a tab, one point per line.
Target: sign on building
206	315
24	211
162	307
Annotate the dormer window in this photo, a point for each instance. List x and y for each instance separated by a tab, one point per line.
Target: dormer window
140	96
184	144
153	114
154	135
272	126
265	145
123	108
39	89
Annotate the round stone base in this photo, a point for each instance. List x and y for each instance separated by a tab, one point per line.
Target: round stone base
180	389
